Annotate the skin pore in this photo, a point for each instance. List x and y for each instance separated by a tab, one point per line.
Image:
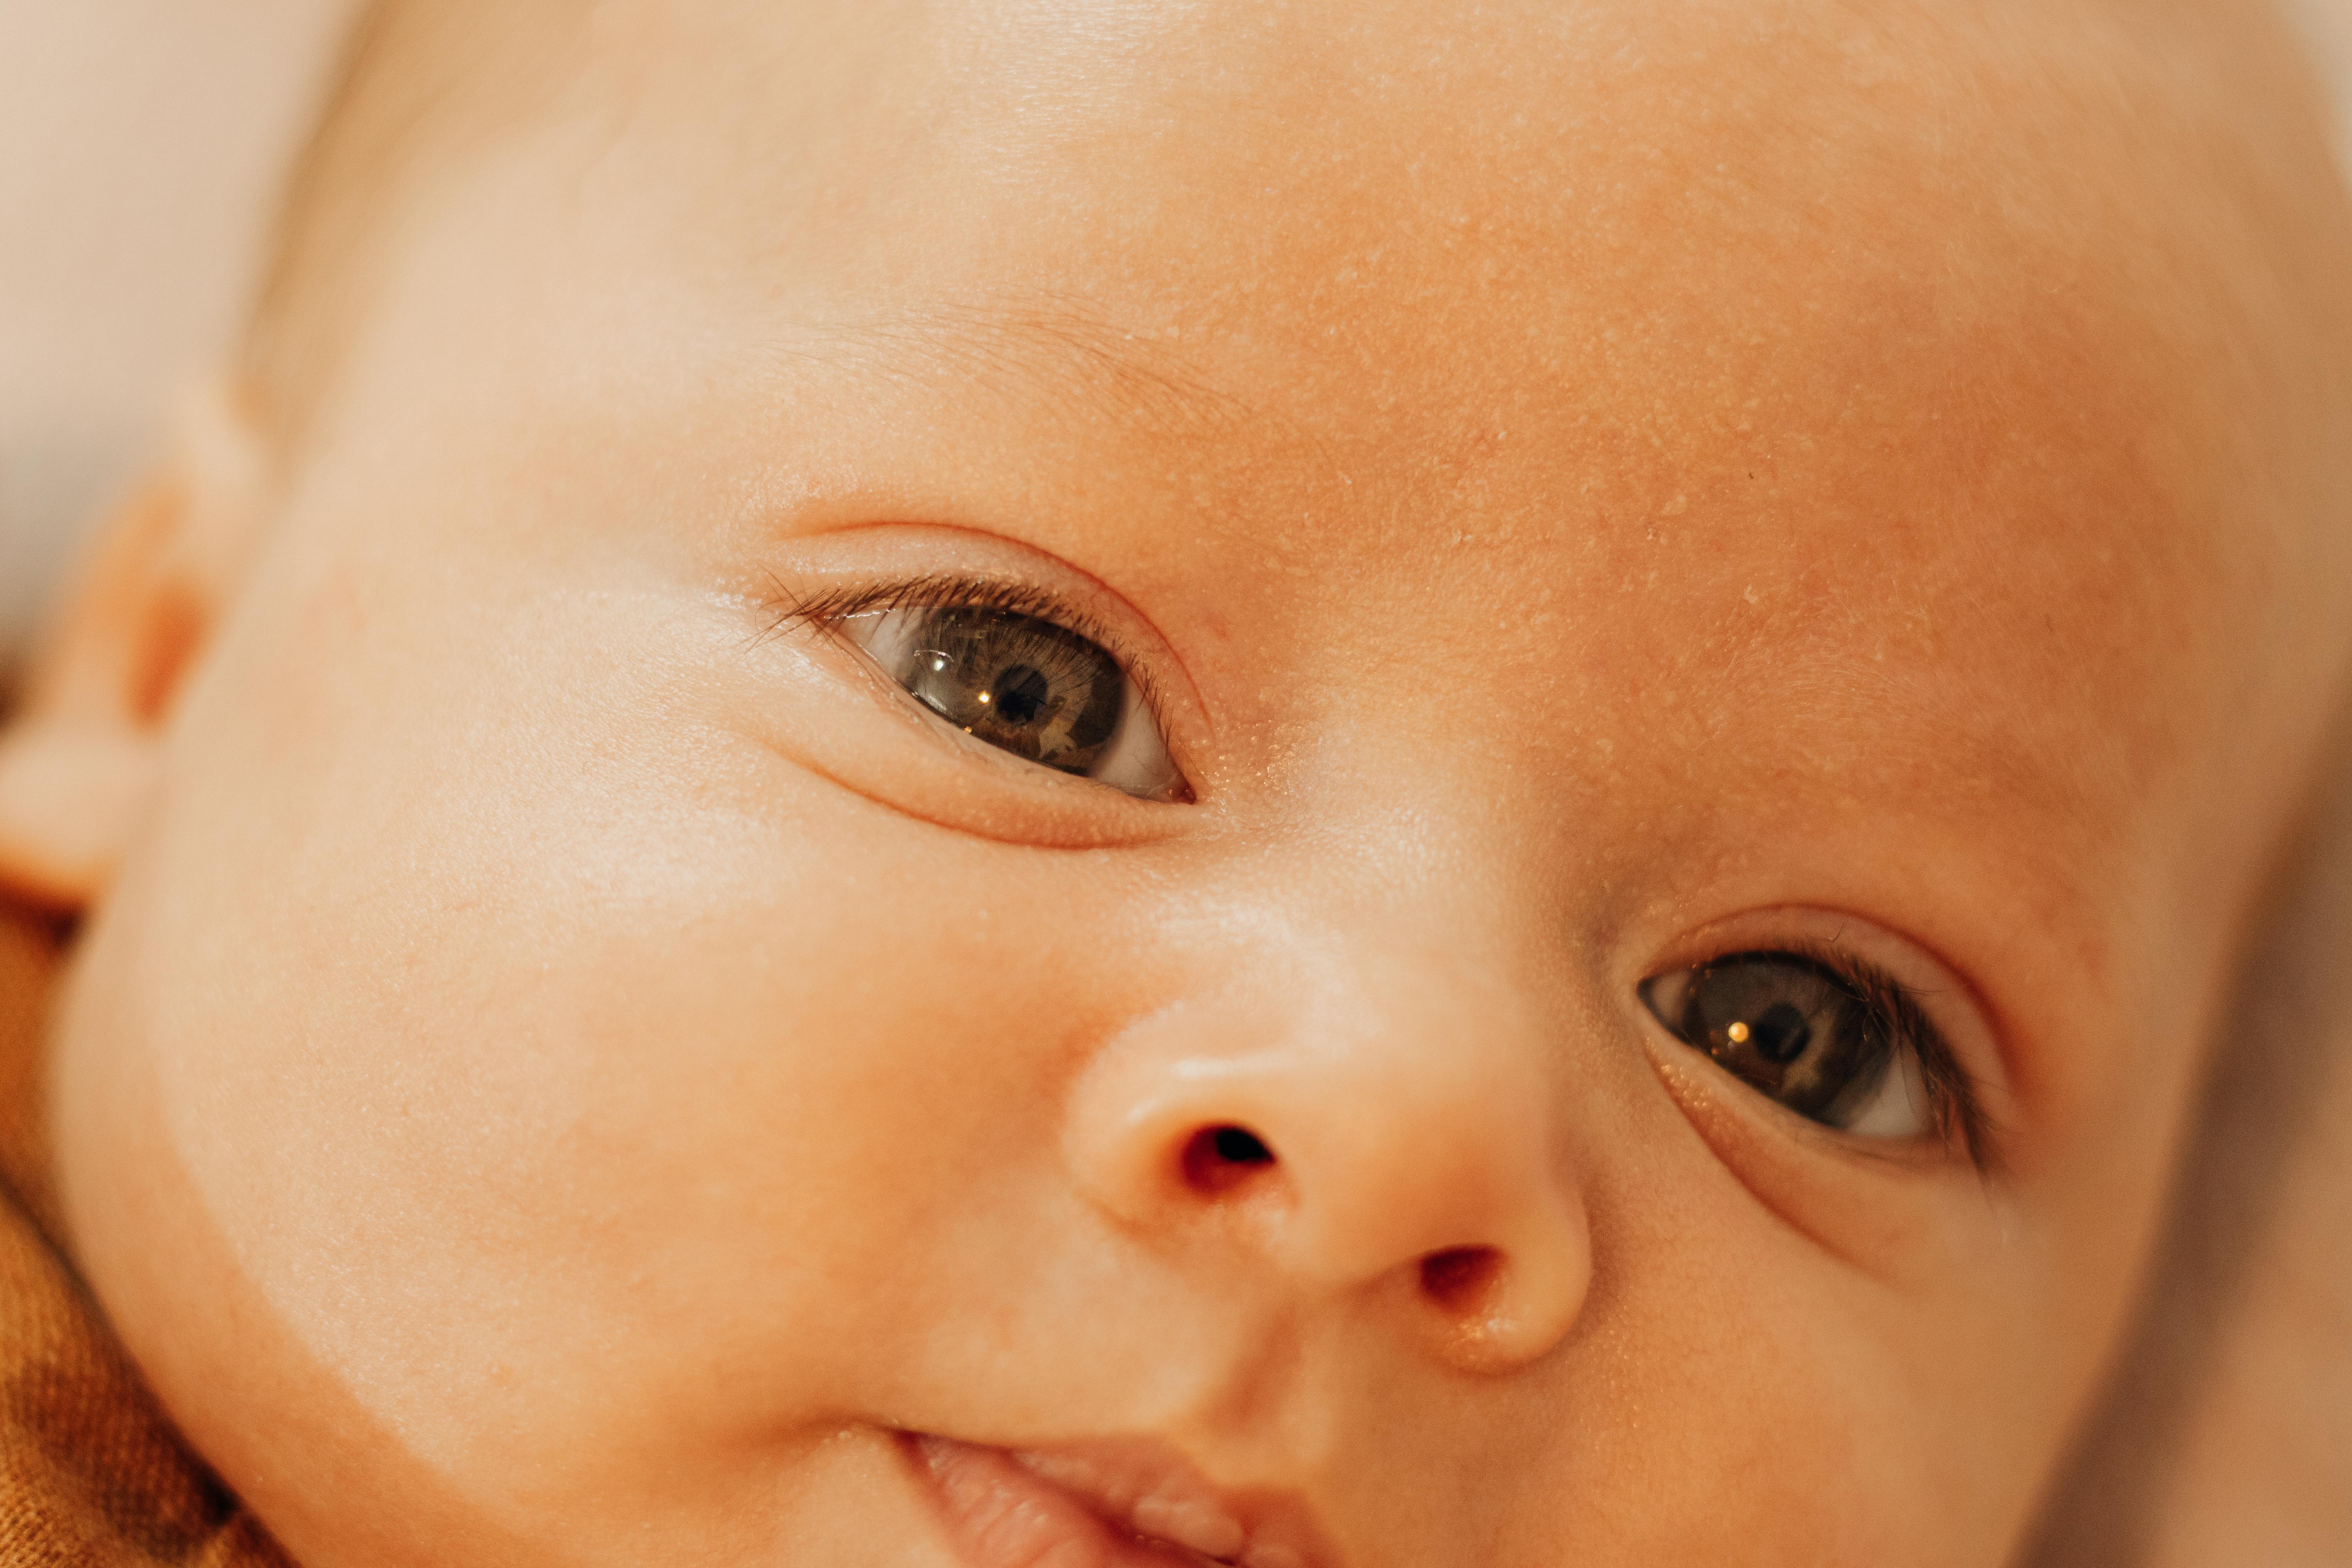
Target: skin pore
567	1064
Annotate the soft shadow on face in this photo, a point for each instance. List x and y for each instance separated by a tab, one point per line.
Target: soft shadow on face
2137	1484
1593	493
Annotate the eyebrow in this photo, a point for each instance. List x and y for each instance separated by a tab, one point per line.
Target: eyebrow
1056	346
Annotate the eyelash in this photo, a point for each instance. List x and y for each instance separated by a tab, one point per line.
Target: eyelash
822	608
1952	1090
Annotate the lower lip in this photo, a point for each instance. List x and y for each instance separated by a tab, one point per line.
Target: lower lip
1001	1516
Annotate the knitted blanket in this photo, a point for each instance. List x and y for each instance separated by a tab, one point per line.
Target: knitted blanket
92	1474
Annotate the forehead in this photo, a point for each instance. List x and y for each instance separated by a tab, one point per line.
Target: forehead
1698	370
1873	299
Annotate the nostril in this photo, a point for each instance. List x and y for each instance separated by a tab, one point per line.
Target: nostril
1217	1159
1239	1146
1460	1280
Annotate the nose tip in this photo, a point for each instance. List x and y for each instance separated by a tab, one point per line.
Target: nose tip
1427	1183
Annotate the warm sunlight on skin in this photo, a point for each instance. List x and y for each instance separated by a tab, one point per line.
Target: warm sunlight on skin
577	1067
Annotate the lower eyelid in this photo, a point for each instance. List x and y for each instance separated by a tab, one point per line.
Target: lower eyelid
1055	812
1891	1211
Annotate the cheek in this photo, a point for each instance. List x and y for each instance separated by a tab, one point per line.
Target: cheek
1734	1395
532	1034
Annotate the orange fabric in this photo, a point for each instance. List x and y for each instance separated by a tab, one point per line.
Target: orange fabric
92	1474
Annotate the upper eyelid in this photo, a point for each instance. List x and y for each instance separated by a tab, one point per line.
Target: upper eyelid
944	590
932	590
891	559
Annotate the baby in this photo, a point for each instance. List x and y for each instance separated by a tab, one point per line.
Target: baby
1064	783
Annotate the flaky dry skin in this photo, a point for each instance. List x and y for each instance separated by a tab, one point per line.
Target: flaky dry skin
1589	487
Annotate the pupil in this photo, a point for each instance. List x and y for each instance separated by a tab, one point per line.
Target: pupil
1795	1029
1019	694
1781	1033
1239	1146
1037	690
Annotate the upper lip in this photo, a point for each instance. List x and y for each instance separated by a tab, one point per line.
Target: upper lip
1146	1488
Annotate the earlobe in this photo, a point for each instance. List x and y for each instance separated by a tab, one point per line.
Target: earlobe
69	797
78	764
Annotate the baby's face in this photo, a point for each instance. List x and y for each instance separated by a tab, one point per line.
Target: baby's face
1364	791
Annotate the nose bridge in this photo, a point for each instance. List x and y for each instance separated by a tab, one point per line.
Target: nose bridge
1382	1107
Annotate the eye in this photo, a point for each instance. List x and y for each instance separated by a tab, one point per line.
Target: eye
1847	1048
1024	684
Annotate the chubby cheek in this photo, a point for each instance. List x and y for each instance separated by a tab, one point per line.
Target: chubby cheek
1732	1397
534	1044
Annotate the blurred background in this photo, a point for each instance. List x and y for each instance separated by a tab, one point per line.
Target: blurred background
141	145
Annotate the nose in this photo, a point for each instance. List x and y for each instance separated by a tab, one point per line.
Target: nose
1386	1132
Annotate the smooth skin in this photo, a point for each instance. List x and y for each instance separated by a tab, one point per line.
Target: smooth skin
563	1062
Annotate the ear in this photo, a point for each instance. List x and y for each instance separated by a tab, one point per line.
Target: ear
79	765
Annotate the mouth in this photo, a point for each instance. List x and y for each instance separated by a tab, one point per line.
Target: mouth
1116	1504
